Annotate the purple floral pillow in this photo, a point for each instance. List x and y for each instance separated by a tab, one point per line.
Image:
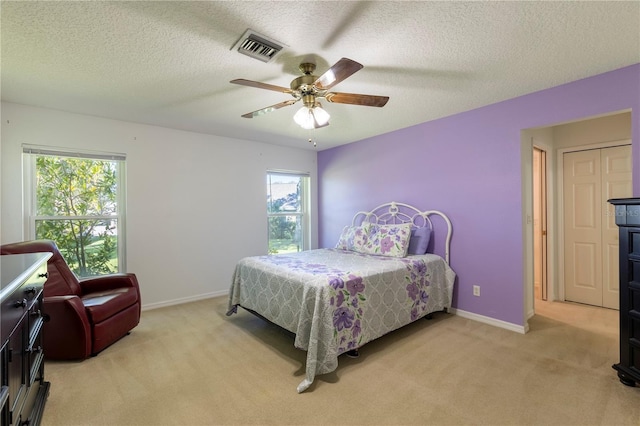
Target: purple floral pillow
353	237
388	240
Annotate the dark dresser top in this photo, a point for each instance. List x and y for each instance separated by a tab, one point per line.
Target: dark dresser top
624	201
16	268
627	211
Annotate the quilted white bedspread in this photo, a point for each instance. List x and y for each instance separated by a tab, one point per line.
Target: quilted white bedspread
337	300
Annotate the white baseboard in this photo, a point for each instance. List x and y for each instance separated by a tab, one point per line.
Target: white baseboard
150	306
491	321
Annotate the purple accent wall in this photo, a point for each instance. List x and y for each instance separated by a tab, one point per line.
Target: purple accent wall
469	166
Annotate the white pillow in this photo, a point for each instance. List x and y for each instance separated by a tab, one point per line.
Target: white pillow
387	240
353	237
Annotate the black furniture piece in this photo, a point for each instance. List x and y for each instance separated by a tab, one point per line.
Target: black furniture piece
628	221
24	391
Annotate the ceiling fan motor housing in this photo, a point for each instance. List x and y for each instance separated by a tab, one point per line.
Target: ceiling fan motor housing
304	88
303	83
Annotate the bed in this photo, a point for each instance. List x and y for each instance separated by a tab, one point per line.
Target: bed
380	276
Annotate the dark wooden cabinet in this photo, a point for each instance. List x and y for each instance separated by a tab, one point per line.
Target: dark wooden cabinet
23	389
628	221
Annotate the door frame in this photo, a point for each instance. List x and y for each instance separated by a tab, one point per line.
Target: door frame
560	291
544	213
540	138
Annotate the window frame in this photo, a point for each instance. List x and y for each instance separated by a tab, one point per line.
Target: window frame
305	205
29	154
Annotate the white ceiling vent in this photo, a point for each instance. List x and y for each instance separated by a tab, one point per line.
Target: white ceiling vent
258	46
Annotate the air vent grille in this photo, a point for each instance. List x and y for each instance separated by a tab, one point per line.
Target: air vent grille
257	46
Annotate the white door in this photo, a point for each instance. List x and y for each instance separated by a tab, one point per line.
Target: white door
582	223
590	241
616	183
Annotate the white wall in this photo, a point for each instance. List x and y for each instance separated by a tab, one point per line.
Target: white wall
195	202
596	130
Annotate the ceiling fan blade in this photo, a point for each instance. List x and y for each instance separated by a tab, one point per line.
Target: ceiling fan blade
337	73
250	83
356	99
269	109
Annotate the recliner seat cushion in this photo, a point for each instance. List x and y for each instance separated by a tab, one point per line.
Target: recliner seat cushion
103	305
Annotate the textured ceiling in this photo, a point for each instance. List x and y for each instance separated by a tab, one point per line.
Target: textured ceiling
170	63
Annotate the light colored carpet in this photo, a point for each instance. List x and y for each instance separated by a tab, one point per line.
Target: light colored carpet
191	365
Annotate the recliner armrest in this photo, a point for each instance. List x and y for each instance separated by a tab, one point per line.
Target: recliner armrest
68	307
108	282
67	333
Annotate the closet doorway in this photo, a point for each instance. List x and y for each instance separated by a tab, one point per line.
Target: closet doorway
549	145
590	178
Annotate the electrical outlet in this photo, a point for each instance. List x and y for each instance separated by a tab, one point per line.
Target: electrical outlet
476	290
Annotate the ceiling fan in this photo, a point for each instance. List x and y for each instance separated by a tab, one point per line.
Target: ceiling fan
309	88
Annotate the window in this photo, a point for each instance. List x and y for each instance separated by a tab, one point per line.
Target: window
287	212
77	200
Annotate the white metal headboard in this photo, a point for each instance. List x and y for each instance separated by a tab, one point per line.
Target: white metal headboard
404	213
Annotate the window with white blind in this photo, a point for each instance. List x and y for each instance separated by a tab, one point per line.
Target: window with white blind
288	211
77	199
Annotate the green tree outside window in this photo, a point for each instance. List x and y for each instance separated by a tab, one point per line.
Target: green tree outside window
77	207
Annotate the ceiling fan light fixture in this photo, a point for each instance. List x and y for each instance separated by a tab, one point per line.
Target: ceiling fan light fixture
311	118
321	115
304	118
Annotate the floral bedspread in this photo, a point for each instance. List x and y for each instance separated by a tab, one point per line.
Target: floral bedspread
337	300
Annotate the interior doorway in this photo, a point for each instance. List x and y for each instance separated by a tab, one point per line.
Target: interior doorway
546	273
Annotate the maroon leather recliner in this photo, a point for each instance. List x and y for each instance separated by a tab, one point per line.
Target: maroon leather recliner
86	315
